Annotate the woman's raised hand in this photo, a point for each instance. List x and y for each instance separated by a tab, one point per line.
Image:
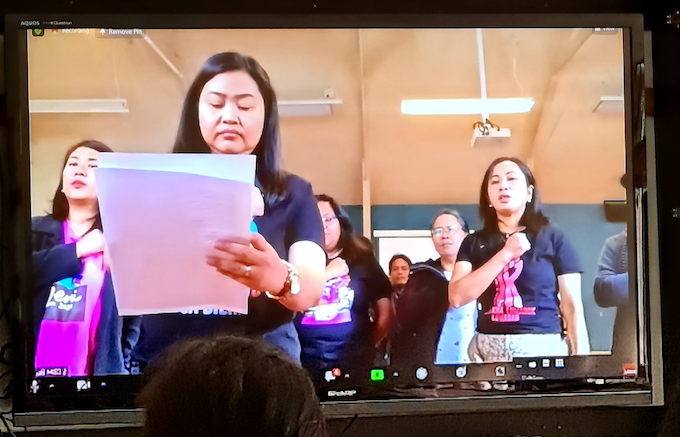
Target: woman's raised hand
516	245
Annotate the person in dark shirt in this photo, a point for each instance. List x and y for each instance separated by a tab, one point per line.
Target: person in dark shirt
611	287
523	271
611	284
338	332
399	268
76	322
231	108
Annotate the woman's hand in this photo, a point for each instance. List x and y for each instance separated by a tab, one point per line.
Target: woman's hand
336	268
467	285
255	265
516	245
92	243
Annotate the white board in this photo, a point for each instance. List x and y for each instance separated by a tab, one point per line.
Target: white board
417	245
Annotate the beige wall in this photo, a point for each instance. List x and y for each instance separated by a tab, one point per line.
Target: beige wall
577	155
582	161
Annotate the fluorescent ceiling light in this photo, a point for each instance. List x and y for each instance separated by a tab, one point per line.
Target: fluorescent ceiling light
306	108
466	106
608	104
287	108
78	106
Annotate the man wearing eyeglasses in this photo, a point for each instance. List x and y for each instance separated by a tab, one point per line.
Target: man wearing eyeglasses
448	231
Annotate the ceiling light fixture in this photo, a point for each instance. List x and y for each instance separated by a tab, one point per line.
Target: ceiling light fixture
78	106
466	106
483	106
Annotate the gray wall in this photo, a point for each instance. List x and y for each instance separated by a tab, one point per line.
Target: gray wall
585	225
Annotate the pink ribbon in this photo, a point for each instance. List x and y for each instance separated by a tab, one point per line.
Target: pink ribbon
507	303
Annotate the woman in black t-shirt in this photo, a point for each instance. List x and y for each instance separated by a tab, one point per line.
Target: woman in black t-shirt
338	332
523	271
231	108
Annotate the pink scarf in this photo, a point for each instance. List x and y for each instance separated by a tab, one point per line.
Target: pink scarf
66	343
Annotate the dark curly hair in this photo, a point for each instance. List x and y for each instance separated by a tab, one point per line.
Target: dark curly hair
225	385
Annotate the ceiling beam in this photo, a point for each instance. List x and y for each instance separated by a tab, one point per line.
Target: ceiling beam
539	132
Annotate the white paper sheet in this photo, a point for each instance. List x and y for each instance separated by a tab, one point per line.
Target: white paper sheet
161	213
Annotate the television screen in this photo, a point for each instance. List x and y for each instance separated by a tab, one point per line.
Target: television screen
440	209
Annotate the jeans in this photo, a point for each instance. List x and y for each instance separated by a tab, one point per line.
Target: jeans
285	337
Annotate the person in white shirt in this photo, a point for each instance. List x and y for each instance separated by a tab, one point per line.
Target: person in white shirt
448	231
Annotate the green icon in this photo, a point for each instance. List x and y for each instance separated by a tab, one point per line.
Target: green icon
377	375
38	32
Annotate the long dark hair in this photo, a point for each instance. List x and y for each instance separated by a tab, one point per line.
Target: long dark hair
60	207
354	247
270	178
533	218
231	386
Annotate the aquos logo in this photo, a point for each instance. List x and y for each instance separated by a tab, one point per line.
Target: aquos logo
30	23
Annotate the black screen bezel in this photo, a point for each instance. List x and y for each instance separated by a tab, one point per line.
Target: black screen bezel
20	156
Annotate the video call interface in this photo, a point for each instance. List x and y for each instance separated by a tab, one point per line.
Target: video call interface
485	157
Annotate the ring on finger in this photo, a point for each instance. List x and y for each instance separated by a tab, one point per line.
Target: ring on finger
247	273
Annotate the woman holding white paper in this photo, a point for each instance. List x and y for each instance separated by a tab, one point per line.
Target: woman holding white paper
78	329
231	108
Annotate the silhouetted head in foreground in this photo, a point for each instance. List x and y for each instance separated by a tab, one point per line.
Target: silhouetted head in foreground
229	386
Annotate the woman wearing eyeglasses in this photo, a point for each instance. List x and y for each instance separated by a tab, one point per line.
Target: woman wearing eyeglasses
338	332
448	231
426	329
524	272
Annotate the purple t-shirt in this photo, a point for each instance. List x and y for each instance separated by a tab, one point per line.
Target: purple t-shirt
67	338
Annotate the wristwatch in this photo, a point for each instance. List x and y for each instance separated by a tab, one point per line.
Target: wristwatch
291	287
